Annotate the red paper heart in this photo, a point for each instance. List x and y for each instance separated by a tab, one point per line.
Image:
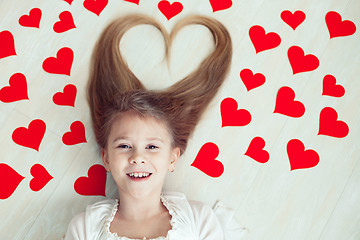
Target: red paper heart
133	1
218	5
94	184
66	98
32	136
31	20
66	22
9	180
330	87
7	44
337	27
301	63
170	10
61	64
330	126
299	158
293	19
41	177
262	41
251	80
256	150
286	105
231	116
17	89
205	160
95	6
69	1
76	134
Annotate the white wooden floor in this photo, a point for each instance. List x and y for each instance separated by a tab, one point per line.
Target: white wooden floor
271	201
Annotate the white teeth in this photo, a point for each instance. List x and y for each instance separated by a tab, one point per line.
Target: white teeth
139	175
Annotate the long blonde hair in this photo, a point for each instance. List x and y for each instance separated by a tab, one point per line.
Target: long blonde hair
114	89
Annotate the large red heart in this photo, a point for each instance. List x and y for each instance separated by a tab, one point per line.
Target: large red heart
299	158
76	134
301	63
95	6
94	184
256	150
205	160
17	89
262	41
293	19
133	1
286	105
251	80
32	136
69	1
41	177
218	5
9	180
7	44
330	87
230	114
66	22
31	20
61	64
67	97
170	10
337	27
330	126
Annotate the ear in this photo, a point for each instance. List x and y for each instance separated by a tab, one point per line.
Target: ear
175	154
105	159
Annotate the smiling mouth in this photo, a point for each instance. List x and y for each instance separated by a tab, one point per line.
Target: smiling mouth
139	176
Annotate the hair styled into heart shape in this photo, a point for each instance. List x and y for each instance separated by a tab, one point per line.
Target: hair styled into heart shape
114	89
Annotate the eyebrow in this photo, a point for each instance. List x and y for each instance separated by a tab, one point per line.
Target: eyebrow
148	139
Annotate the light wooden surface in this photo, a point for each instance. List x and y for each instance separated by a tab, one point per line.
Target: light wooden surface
271	201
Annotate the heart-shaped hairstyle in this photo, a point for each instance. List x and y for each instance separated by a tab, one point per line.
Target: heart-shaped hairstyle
114	89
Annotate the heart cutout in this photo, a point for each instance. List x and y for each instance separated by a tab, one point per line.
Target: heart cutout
17	89
7	44
41	177
31	20
205	160
251	80
32	136
67	97
218	5
170	10
9	180
286	105
230	114
330	88
330	126
256	150
300	62
263	41
299	158
76	134
337	27
61	64
95	6
66	22
293	19
133	1
94	184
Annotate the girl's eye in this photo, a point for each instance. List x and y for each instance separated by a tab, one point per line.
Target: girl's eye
151	147
125	146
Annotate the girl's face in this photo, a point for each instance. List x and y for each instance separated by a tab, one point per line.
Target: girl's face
139	154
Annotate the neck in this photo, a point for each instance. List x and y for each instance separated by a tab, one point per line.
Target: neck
140	208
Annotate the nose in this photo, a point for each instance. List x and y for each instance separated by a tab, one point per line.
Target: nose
137	158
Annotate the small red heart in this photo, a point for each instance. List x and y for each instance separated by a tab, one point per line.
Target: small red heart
286	105
205	160
95	6
66	98
337	27
256	150
61	64
69	1
66	22
133	1
41	177
31	20
94	184
262	41
251	80
7	44
218	5
301	63
231	116
330	126
299	158
170	10
293	19
76	134
17	89
9	180
32	136
330	87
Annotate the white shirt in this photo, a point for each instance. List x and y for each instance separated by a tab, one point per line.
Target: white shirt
190	220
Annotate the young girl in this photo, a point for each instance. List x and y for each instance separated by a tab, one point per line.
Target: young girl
142	134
